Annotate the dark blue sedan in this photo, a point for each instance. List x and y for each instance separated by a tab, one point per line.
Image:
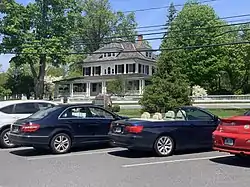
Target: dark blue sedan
61	127
182	128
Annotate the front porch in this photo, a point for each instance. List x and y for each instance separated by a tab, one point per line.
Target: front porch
86	89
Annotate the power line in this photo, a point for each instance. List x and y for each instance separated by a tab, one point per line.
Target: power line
164	7
221	18
144	50
179	30
148	39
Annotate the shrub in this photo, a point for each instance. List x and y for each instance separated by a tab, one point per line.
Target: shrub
116	108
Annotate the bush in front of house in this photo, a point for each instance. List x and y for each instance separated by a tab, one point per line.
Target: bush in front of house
116	108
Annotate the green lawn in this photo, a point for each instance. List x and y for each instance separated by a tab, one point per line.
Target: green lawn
133	113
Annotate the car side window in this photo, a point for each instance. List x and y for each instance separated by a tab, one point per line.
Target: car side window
197	115
76	113
25	108
100	113
7	109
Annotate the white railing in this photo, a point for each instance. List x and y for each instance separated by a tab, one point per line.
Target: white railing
222	97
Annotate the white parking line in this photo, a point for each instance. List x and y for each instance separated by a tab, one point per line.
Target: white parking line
72	154
173	161
15	149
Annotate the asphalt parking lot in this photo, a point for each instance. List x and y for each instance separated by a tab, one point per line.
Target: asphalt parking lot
115	167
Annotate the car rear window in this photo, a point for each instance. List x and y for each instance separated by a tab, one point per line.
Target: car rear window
7	109
43	113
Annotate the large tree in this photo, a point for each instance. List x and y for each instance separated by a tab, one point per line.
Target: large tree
43	33
100	25
196	25
37	33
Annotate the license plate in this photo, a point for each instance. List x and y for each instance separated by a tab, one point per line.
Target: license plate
118	129
229	141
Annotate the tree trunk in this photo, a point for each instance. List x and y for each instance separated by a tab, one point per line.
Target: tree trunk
39	81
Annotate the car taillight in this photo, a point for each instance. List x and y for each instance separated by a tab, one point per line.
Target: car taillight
30	127
134	129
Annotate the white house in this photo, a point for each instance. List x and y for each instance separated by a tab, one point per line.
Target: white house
119	59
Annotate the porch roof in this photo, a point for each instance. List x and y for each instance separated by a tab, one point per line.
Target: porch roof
103	77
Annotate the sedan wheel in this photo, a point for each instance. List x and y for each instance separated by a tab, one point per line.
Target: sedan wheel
164	146
4	139
60	143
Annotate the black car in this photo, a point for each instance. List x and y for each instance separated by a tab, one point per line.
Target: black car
185	128
61	127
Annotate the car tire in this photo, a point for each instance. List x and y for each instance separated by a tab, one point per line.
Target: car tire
4	139
164	146
60	143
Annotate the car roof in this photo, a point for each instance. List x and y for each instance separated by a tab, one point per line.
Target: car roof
12	102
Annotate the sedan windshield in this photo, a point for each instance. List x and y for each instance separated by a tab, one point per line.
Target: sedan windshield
43	113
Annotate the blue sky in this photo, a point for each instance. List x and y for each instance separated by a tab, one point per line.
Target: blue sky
223	8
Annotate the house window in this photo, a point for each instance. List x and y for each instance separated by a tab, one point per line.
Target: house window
94	87
139	68
105	55
119	68
97	70
86	71
105	71
113	54
143	69
146	54
153	70
130	68
109	70
79	87
150	55
109	54
113	71
147	69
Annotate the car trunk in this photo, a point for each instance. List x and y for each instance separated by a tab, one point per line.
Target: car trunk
125	127
235	125
16	127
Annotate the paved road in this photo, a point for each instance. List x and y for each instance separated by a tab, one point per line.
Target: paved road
115	167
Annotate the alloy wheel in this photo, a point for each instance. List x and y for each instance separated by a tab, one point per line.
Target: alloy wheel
164	146
6	141
61	143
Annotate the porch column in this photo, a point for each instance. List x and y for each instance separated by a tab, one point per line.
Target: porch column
104	87
88	89
136	68
125	68
71	90
142	85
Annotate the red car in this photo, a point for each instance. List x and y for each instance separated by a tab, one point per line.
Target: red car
233	136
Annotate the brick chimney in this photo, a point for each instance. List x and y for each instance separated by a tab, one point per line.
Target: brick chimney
140	39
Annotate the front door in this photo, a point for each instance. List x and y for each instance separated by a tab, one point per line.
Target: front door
202	125
101	120
77	119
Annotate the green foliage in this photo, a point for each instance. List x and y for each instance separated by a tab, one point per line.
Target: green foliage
116	86
45	31
201	65
116	108
100	24
3	90
168	90
19	80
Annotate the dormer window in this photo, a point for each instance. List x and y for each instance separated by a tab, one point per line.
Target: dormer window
149	54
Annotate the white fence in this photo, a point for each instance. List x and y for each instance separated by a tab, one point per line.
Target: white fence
210	102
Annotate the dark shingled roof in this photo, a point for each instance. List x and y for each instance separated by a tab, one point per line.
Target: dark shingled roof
119	47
